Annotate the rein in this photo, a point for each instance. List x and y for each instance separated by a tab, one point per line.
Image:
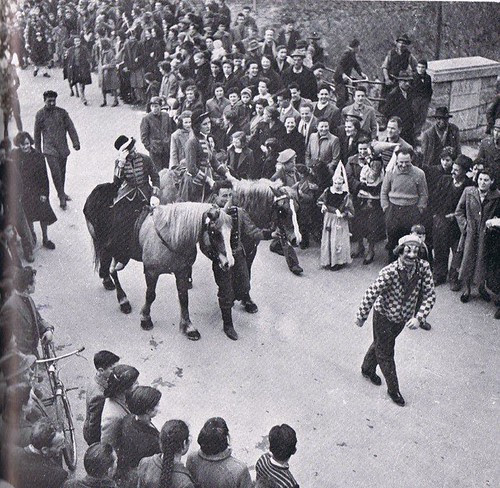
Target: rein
163	241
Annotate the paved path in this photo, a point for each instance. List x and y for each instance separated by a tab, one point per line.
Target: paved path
297	361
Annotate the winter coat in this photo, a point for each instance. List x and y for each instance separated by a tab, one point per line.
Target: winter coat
156	131
242	164
471	216
79	73
108	74
432	145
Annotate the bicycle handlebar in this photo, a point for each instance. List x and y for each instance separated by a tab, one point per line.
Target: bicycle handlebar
57	358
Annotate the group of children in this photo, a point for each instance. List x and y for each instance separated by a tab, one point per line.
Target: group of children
272	469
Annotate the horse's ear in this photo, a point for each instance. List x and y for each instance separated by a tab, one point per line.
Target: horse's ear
275	191
213	214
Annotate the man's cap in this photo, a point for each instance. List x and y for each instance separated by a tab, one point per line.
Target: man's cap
406	240
441	113
286	155
403	38
253	45
299	53
156	101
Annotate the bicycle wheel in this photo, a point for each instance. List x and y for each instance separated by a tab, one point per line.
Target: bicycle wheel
65	421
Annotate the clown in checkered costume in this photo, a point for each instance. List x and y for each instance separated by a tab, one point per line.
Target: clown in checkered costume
395	295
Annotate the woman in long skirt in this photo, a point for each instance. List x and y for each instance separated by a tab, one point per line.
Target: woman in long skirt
336	206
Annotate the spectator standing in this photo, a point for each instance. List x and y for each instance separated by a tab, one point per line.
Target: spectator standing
79	67
104	361
166	469
421	94
403	198
476	206
489	152
35	186
298	73
273	469
108	75
361	108
213	465
52	124
442	134
100	465
156	130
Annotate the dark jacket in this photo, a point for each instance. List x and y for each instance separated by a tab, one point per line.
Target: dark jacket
90	482
291	44
421	86
53	124
241	165
156	131
94	405
32	470
432	145
306	80
149	473
397	105
295	141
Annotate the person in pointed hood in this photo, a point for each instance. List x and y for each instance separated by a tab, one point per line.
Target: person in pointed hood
336	207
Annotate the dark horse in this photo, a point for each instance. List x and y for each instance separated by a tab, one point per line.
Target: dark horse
167	239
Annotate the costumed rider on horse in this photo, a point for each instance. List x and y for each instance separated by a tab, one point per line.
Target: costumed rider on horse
202	166
234	284
138	186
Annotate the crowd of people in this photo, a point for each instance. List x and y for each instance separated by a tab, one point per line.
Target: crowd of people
225	101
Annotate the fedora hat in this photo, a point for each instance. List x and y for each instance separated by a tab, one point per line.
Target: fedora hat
403	76
441	113
404	39
299	53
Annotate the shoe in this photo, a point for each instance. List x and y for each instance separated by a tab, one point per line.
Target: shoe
304	245
46	75
465	297
115	103
48	244
85	102
250	306
29	258
455	285
358	253
230	332
62	203
397	398
103	104
68	198
71	93
336	267
35	72
369	258
373	377
484	294
297	270
425	325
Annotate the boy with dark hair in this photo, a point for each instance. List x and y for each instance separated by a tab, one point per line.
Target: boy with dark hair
100	466
272	467
104	361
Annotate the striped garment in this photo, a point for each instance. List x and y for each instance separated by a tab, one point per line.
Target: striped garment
270	474
397	300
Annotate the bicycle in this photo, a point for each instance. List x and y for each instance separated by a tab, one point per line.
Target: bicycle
60	401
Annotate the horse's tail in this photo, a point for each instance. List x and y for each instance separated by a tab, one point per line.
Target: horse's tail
99	216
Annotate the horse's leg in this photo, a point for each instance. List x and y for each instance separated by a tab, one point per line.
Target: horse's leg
125	306
105	263
151	281
186	327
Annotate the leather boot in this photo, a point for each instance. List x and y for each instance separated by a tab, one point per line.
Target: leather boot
227	320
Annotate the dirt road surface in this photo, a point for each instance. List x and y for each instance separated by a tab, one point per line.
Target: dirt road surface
298	359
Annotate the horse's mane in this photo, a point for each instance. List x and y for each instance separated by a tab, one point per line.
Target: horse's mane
256	197
179	224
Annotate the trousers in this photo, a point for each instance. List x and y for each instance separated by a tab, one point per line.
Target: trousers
281	246
398	222
160	159
233	284
57	165
381	351
445	237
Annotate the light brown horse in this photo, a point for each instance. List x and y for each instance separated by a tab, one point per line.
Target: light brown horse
167	241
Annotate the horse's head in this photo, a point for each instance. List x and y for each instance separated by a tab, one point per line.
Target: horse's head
284	212
215	241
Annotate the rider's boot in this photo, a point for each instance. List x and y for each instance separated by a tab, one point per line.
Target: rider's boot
227	320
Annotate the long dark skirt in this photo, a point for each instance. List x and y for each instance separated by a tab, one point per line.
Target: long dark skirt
369	219
125	214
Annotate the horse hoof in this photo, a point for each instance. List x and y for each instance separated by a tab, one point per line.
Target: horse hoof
146	324
126	307
193	335
108	284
